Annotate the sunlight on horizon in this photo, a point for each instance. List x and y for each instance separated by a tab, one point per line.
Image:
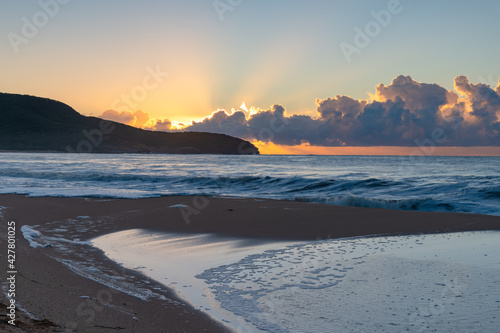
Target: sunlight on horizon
306	149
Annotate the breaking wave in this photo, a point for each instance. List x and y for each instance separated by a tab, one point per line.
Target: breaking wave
450	184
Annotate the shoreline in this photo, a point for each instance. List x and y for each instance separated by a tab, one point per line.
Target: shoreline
50	288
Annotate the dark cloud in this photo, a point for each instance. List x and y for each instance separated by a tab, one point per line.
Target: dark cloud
221	122
484	100
404	113
418	97
162	125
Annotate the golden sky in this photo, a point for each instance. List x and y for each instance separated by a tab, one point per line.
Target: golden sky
179	61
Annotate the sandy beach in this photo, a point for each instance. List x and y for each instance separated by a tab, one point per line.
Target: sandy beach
58	292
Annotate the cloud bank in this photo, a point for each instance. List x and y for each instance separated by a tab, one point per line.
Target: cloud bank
404	113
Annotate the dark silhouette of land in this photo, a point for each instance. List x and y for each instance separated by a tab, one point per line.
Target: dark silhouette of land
30	123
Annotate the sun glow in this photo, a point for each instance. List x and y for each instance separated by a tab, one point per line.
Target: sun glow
245	110
268	148
178	125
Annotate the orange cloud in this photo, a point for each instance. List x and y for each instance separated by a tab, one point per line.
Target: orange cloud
138	118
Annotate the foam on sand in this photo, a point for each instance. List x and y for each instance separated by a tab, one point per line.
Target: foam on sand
175	259
30	235
440	283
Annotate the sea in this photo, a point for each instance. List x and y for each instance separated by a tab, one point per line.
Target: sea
426	183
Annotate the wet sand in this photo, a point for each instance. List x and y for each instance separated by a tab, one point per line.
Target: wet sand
57	298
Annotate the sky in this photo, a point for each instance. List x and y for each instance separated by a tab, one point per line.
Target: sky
319	76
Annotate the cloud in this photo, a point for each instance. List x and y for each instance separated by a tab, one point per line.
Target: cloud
404	113
220	121
122	117
484	101
141	118
137	119
162	125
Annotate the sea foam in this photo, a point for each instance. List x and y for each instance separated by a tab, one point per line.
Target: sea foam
443	282
447	184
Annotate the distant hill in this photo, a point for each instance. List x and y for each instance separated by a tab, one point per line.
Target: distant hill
29	123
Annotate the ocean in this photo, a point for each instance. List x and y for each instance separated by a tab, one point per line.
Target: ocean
445	184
